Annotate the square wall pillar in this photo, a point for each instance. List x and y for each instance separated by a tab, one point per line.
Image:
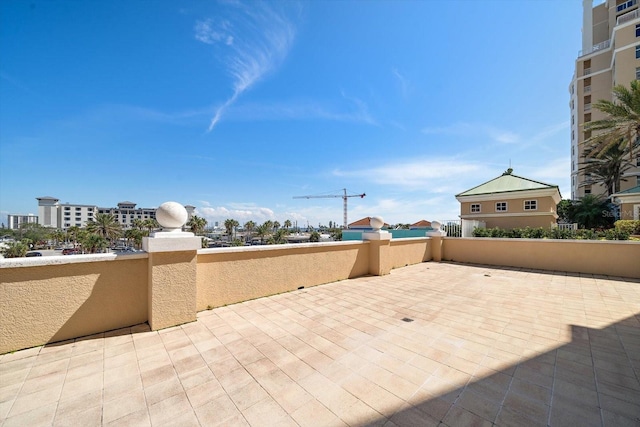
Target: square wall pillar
172	280
379	252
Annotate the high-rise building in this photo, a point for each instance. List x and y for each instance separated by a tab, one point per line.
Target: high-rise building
610	56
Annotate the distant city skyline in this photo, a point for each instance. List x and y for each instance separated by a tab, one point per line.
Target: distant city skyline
235	107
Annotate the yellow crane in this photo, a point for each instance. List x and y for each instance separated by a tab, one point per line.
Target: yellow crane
344	197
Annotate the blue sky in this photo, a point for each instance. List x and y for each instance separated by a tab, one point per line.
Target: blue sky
236	107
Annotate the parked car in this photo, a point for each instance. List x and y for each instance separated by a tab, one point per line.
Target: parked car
30	254
69	251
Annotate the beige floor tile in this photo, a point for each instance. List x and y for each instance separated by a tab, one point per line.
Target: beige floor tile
216	411
169	408
202	393
124	405
313	413
41	415
91	416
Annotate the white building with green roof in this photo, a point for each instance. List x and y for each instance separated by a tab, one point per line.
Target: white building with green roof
511	201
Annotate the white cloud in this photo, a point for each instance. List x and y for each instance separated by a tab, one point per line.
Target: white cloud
427	173
402	80
502	136
255	43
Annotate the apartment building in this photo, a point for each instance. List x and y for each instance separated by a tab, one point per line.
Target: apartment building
53	214
14	221
610	56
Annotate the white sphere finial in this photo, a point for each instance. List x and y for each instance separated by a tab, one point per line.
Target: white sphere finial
376	222
436	225
171	216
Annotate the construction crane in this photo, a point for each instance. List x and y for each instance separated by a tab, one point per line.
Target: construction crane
344	196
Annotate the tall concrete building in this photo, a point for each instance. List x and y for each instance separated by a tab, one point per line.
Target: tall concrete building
610	56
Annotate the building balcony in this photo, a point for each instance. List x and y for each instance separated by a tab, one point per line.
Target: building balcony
628	16
600	46
421	346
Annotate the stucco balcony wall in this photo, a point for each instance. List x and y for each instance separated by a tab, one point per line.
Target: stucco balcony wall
51	299
231	275
608	258
409	251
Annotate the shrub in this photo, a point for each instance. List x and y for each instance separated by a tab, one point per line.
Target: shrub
615	234
628	226
15	250
586	234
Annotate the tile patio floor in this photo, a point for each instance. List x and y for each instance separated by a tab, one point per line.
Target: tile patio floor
486	346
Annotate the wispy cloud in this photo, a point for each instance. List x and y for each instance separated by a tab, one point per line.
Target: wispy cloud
502	136
403	81
304	110
432	174
254	40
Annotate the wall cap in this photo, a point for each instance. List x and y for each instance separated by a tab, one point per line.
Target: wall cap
67	259
259	248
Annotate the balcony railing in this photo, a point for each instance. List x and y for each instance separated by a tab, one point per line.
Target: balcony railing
587	71
600	46
587	89
587	107
628	17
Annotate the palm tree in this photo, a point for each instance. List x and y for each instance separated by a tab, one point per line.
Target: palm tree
287	224
608	170
138	224
263	231
279	237
622	126
276	225
105	225
197	224
72	234
230	225
150	224
249	226
592	211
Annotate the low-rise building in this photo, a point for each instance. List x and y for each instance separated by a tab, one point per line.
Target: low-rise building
629	203
53	214
14	221
511	201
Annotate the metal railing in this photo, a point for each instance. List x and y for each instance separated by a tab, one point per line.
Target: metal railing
627	17
587	107
587	71
587	89
453	227
596	47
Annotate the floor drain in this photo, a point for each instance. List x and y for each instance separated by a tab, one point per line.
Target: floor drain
406	319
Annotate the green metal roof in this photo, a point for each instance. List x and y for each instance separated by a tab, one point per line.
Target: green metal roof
505	183
633	190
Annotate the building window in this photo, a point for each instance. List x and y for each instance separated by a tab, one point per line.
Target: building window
637	51
475	208
67	208
530	205
501	206
587	190
637	30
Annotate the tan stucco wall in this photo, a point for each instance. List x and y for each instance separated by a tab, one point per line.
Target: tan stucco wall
172	297
595	257
48	303
409	251
230	275
508	222
515	216
545	204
